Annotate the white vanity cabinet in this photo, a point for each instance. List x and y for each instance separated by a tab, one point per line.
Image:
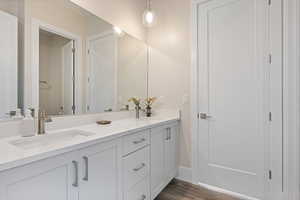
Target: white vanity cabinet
135	166
163	157
171	152
99	172
48	179
88	173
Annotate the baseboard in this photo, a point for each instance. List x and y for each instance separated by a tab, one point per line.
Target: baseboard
185	174
230	193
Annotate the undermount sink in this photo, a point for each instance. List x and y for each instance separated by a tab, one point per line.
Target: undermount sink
49	139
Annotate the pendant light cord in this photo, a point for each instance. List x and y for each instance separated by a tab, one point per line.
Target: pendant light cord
148	4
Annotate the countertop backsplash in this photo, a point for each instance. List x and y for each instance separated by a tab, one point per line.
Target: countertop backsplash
14	127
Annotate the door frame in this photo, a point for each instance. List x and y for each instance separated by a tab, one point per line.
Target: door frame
63	75
290	99
88	88
36	26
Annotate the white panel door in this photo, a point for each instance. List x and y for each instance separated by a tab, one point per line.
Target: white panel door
232	95
8	63
102	64
68	74
48	179
100	172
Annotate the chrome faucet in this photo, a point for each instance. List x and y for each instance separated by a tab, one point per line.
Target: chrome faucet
137	111
42	120
125	108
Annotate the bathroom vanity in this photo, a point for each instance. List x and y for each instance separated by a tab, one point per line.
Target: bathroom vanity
128	160
78	69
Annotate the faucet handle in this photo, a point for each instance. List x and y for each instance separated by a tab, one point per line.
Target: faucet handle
48	119
42	114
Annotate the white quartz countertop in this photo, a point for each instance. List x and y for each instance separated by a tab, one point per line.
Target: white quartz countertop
12	156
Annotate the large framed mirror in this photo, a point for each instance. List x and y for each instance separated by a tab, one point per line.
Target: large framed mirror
80	63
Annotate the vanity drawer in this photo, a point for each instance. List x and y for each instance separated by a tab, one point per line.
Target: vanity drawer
136	167
141	191
136	141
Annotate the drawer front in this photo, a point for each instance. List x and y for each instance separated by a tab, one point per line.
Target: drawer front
136	141
140	191
136	167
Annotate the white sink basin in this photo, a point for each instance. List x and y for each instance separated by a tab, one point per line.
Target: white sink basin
49	139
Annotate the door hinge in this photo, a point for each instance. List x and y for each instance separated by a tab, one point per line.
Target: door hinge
270	175
88	51
88	79
270	116
73	107
73	50
270	58
269	2
198	116
88	108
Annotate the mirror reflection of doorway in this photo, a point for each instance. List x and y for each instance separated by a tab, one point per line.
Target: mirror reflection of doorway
56	72
102	55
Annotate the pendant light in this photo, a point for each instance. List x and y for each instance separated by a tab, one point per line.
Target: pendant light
149	15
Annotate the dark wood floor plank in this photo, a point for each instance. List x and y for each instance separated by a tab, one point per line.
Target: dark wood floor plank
179	190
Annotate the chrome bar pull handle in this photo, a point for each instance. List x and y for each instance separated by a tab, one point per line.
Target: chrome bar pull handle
86	163
75	164
139	168
204	116
168	133
139	141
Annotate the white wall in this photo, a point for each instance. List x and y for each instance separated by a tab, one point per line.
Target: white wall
126	14
96	26
132	70
169	77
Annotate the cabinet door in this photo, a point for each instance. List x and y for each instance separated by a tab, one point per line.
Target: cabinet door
158	138
47	180
100	172
171	152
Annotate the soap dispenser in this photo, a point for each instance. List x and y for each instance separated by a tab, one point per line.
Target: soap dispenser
28	124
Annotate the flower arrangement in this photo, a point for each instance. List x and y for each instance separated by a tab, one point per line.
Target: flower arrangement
136	101
149	101
148	104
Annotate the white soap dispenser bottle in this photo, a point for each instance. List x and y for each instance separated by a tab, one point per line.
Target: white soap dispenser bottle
28	124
